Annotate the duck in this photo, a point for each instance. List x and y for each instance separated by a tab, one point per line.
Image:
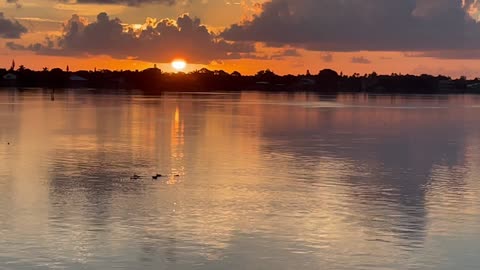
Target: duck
155	177
135	177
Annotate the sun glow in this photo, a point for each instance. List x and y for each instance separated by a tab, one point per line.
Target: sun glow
179	64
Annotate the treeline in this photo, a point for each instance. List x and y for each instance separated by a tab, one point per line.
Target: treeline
155	80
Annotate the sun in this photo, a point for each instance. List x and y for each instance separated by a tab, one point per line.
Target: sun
179	64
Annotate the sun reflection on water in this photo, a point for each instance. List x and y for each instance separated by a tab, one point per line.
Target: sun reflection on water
177	148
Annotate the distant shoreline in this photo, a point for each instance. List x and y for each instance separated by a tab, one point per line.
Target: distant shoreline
153	80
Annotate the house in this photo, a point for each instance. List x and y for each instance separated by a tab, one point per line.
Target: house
76	78
77	81
10	77
307	81
474	87
446	85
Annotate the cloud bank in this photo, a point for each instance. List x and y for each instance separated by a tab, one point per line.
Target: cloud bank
420	28
370	25
156	40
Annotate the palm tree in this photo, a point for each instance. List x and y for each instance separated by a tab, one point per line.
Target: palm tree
12	67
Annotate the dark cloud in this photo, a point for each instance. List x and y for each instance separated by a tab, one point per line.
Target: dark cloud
354	25
449	54
327	57
127	2
15	2
360	60
280	55
290	52
156	41
10	28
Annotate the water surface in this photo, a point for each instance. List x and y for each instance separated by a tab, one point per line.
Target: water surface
266	181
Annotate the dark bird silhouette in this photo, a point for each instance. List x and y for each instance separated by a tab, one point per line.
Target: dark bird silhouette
155	177
135	177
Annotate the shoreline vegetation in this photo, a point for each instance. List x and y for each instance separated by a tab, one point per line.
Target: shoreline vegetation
153	80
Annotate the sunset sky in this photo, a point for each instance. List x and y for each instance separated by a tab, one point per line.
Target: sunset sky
287	36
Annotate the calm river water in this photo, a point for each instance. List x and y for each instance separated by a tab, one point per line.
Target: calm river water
265	181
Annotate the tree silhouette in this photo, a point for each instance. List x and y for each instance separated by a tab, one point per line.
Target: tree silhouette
12	67
327	80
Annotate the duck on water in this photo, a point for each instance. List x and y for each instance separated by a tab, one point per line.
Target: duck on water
155	177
